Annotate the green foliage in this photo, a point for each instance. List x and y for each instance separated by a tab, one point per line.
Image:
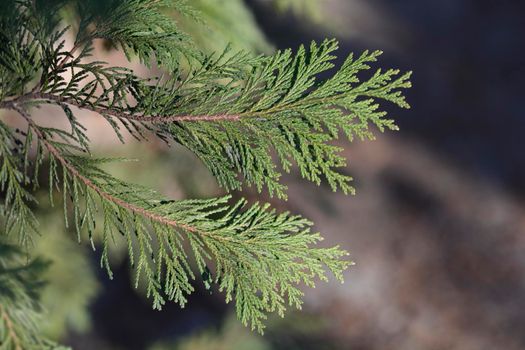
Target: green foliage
20	285
275	103
16	210
260	257
247	118
138	27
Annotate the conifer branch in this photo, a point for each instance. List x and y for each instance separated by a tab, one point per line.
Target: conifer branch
54	99
249	119
135	209
272	247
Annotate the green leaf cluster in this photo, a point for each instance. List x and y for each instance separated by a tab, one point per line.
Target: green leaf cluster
248	118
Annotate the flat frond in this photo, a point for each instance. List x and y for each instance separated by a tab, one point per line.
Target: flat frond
253	255
248	118
16	211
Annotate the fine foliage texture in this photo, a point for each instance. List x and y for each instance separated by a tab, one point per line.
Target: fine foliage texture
248	119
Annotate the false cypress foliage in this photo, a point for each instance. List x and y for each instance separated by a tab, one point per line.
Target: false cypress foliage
249	119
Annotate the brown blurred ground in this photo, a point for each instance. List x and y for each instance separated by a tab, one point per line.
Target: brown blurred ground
439	255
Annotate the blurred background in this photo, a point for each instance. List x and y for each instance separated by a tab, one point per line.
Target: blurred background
437	227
